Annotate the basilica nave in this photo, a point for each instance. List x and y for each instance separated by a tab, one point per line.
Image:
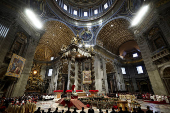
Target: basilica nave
87	50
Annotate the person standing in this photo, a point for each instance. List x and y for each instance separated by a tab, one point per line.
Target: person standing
134	110
56	110
74	111
113	110
126	110
139	110
120	110
148	110
91	110
82	110
68	111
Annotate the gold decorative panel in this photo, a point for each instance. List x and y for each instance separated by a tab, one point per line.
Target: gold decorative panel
56	34
115	33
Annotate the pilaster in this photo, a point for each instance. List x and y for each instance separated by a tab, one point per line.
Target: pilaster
105	76
152	70
43	71
22	81
69	68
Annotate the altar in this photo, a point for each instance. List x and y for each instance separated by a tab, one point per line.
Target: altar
79	64
122	104
82	94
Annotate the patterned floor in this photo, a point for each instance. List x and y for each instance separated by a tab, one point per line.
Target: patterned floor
161	108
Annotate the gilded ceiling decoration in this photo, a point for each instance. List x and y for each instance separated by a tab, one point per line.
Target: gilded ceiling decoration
56	35
114	34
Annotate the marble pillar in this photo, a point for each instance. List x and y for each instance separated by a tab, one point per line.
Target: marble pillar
119	77
98	74
134	84
76	76
56	76
43	71
152	70
69	68
19	87
105	75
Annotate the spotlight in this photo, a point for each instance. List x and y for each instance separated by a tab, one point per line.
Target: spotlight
31	15
140	15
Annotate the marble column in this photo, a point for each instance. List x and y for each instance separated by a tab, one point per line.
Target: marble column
19	88
132	75
119	77
98	79
69	68
134	84
110	80
56	76
43	71
76	76
105	75
63	82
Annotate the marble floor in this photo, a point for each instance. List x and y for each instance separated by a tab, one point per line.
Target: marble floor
161	108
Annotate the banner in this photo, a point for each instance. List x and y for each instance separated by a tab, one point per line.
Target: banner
16	66
87	77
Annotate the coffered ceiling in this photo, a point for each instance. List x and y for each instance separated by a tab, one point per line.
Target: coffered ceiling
115	33
56	34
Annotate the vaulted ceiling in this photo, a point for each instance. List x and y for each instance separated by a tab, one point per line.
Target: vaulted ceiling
114	34
56	34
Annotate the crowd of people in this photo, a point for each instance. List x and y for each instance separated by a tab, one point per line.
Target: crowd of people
17	101
91	110
25	102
